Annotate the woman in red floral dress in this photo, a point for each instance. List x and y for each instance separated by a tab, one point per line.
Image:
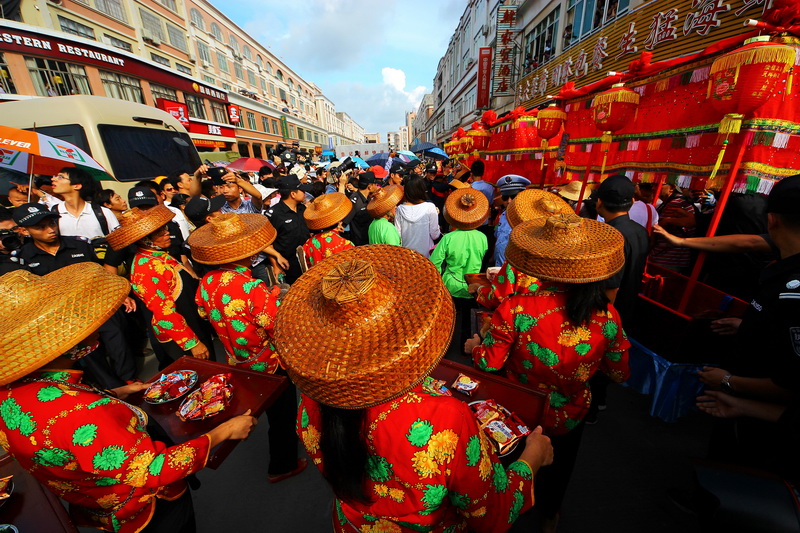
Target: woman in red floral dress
376	321
324	218
558	336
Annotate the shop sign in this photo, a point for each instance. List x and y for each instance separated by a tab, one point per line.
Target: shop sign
234	114
211	129
505	53
484	76
665	28
209	144
177	109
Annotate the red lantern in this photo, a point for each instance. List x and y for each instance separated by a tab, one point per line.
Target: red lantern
614	109
551	120
480	137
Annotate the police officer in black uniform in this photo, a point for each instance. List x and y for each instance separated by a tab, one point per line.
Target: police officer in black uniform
287	218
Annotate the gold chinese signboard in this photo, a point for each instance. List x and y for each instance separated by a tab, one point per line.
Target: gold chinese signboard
665	28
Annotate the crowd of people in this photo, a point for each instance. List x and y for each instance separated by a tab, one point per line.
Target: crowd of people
354	284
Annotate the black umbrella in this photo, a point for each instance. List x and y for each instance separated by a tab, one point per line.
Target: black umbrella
419	147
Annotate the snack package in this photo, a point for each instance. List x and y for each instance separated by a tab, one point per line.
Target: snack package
5	487
502	426
435	386
170	386
211	398
466	384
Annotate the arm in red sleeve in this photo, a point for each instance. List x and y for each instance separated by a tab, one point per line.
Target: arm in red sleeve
492	354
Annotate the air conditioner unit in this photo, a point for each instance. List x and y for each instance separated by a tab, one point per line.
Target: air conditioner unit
192	57
484	30
259	69
148	37
206	64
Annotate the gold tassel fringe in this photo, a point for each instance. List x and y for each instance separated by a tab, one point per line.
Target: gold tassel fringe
553	112
627	96
731	123
719	161
603	166
606	137
759	54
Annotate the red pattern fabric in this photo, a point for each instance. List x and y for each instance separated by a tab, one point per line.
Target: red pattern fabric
532	337
509	281
430	469
93	450
323	245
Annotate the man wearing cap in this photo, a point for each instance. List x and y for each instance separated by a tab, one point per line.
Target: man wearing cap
395	174
287	218
359	219
10	241
509	186
164	199
200	210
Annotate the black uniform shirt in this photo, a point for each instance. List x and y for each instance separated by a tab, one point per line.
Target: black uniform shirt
359	219
71	251
629	279
291	228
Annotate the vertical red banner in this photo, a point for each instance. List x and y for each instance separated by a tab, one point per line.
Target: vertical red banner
484	76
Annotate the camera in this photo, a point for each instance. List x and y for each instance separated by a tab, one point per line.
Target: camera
10	240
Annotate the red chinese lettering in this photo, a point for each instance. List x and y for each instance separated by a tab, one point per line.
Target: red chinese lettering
502	87
508	17
599	53
661	29
505	55
507	38
504	70
705	19
627	44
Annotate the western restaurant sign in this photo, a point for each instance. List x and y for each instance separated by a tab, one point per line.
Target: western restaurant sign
666	28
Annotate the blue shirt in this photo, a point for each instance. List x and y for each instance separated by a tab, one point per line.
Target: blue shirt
245	207
502	232
488	191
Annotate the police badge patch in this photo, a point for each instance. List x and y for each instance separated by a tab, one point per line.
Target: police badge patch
794	334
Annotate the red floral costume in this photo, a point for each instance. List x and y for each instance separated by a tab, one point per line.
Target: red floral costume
93	450
534	339
323	245
430	469
509	281
242	310
155	278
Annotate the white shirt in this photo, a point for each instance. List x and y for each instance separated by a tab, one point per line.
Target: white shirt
638	213
180	218
85	224
418	226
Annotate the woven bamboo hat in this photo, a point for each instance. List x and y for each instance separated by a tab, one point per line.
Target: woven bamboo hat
572	191
567	248
364	326
535	204
45	316
230	237
384	200
327	210
138	223
466	208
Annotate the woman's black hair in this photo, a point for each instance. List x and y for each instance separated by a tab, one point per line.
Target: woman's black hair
344	451
585	298
415	190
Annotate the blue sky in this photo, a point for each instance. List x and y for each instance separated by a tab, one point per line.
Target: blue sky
374	59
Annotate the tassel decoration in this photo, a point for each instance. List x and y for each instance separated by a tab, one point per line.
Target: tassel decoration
731	123
719	160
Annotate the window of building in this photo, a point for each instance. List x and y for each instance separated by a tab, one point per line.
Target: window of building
118	43
122	87
263	84
197	19
226	86
291	85
300	134
540	43
197	109
203	52
183	68
276	129
209	79
75	28
6	82
282	94
291	131
151	25
244	149
269	68
237	68
265	124
251	78
279	74
163	92
257	150
251	120
216	32
218	112
112	8
169	4
57	78
302	107
161	60
272	89
222	62
316	137
584	16
233	43
177	38
259	61
247	53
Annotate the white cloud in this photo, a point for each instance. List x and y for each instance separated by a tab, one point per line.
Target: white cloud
396	79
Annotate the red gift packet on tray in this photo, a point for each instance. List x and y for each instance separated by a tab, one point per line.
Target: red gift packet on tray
502	426
210	399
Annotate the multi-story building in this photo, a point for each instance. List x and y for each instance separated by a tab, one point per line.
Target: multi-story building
419	127
372	138
403	138
187	57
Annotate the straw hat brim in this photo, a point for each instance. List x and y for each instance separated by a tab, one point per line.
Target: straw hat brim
385	200
574	193
460	217
535	205
136	224
231	237
595	256
366	352
320	218
46	316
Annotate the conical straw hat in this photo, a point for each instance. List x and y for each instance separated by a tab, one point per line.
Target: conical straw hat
45	316
138	223
230	237
327	210
567	248
536	204
384	200
466	208
364	326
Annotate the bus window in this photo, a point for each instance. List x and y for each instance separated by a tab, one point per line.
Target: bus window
72	133
137	153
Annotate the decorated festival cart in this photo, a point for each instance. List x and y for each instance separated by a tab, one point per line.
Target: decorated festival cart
725	117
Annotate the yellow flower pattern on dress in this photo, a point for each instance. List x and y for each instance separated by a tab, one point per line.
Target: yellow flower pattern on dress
106	502
442	446
397	495
425	465
382	526
381	490
181	456
311	439
571	336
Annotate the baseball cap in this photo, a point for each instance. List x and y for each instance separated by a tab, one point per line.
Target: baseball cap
31	214
784	199
292	183
378	171
397	168
199	207
141	196
616	189
365	179
512	184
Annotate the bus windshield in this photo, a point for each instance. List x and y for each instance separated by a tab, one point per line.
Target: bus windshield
138	153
